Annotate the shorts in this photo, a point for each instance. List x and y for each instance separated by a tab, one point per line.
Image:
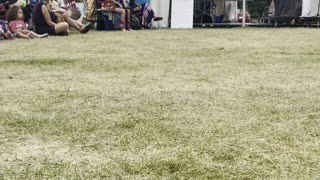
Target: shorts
45	29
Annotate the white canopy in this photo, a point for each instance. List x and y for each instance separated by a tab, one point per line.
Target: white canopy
182	14
310	8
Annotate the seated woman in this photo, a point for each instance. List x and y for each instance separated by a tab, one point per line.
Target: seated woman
146	13
119	7
46	22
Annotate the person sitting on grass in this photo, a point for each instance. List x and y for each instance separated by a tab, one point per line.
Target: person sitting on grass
4	33
18	27
46	21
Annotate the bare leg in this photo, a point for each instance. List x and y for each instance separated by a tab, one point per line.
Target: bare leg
122	13
21	35
80	24
59	17
73	23
38	35
129	19
143	24
5	35
61	27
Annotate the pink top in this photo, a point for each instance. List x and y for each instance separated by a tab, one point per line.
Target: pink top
17	25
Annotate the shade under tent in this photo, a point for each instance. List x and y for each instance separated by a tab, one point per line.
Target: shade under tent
182	11
286	8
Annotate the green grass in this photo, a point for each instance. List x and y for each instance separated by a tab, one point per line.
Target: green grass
162	104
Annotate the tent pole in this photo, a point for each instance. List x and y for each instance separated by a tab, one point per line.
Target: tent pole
236	11
169	18
318	8
318	23
243	13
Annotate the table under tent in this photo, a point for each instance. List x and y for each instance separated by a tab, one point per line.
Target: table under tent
216	13
225	13
220	13
282	12
301	12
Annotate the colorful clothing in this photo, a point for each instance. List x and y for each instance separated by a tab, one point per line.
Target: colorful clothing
147	12
1	31
3	25
16	25
90	13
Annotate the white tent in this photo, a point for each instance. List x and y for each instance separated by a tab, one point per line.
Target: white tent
310	8
230	11
182	14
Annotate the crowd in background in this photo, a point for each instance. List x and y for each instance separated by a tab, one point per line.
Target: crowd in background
29	20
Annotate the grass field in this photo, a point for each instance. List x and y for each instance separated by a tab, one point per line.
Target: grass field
162	104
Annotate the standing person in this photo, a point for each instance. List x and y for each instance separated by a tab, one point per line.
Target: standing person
46	22
17	26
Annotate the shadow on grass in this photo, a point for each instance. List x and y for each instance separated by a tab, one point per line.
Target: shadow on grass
39	62
115	68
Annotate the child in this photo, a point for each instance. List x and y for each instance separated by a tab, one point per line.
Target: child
17	26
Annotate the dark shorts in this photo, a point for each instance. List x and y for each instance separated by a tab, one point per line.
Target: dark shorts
45	29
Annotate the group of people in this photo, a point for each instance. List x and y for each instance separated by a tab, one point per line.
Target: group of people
49	19
144	11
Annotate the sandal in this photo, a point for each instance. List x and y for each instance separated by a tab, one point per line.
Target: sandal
86	28
158	18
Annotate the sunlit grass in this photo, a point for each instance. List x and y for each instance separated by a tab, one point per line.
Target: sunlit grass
180	104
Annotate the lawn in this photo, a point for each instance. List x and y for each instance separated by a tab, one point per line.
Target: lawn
162	104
